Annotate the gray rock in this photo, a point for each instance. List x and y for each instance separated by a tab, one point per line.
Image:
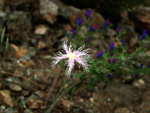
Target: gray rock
15	87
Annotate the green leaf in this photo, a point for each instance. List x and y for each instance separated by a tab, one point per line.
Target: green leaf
97	70
72	90
77	75
3	35
90	60
7	43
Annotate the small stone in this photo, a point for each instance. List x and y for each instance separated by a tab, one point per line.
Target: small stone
91	99
41	30
41	45
109	99
47	57
9	79
28	111
34	103
81	100
15	87
11	51
41	94
49	10
2	107
139	83
122	110
6	98
67	103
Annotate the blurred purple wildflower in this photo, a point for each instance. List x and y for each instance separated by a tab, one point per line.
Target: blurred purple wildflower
139	37
95	27
79	21
148	66
107	22
123	42
108	75
88	13
92	28
73	31
99	55
143	34
117	30
109	60
87	39
115	60
111	46
141	65
135	60
137	75
105	25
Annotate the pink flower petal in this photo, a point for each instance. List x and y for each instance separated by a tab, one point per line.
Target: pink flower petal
57	59
82	62
71	65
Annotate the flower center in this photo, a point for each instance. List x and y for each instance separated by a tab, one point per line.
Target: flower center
71	55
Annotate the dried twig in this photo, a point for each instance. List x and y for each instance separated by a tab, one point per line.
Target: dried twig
50	92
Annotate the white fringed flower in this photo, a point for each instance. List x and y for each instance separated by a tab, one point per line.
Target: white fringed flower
81	56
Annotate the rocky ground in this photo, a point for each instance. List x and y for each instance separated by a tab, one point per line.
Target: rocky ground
36	30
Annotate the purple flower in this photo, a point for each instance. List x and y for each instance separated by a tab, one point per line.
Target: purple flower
99	55
73	31
141	65
135	60
105	25
92	28
111	46
87	39
107	22
81	56
109	60
123	42
148	66
137	75
88	13
143	34
117	30
95	27
79	21
139	37
108	75
115	60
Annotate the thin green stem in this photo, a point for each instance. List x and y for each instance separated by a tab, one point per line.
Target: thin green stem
2	64
58	94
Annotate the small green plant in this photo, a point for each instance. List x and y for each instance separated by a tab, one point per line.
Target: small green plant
3	49
110	64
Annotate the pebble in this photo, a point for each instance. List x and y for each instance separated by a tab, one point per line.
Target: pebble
15	87
139	83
